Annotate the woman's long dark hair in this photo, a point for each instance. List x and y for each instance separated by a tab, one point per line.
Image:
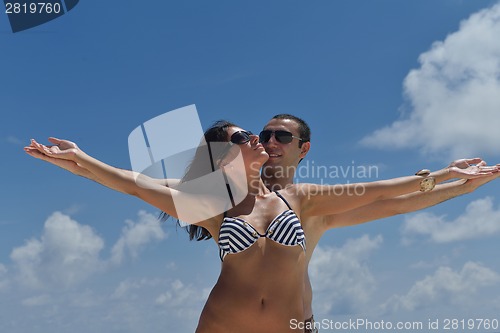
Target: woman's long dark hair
216	133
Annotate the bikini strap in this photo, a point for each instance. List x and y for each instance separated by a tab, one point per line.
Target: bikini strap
284	200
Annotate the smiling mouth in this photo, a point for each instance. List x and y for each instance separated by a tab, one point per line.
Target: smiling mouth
274	155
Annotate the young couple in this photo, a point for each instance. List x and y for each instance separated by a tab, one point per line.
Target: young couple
266	241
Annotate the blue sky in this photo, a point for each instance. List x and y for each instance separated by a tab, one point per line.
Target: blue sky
400	85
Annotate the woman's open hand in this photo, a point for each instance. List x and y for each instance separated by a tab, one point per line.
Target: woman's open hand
472	168
59	154
62	149
473	184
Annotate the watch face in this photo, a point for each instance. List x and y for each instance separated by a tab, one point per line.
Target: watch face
427	184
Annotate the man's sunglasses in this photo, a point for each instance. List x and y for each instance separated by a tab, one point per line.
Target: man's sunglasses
280	136
240	137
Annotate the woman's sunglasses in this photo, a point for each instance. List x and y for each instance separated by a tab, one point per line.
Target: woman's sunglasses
240	137
280	136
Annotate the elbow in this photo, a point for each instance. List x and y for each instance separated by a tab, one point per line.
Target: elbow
130	185
398	211
133	192
381	197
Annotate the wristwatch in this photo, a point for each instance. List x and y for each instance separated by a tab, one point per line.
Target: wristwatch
427	183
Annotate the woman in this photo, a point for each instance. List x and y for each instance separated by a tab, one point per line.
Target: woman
261	239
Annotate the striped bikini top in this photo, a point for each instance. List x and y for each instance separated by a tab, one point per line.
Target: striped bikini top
237	235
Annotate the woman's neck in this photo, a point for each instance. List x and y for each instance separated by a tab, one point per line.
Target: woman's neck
256	186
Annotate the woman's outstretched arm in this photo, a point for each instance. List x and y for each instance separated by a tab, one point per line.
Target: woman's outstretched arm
34	150
406	203
332	199
411	202
70	157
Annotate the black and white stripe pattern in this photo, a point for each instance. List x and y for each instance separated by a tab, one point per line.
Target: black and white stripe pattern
237	235
287	230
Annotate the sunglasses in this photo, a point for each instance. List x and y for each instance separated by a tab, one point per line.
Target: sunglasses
240	137
279	135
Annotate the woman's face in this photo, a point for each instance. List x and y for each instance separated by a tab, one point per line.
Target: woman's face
253	152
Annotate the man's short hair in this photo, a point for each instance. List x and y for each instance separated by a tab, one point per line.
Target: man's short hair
304	130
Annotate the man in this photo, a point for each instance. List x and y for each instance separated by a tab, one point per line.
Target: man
286	139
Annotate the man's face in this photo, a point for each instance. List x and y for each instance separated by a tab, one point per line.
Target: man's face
283	155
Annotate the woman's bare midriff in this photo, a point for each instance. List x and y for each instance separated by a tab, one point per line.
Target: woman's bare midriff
257	293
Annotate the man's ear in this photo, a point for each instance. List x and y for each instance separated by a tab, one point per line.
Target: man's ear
304	149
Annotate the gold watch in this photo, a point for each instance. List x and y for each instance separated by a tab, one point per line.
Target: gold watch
427	183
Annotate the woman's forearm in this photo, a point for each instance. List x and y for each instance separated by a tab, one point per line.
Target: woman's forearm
117	179
385	189
332	199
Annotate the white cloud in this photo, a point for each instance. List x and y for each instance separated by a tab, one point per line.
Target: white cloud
4	282
135	235
180	294
50	280
16	141
342	281
126	288
454	96
179	304
136	305
183	301
66	254
480	219
446	287
39	300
